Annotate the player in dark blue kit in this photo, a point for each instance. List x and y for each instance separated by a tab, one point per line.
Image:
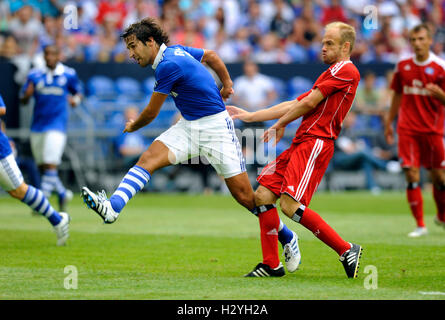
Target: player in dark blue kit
52	87
11	180
205	127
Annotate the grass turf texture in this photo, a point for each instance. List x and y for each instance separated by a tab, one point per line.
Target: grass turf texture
199	247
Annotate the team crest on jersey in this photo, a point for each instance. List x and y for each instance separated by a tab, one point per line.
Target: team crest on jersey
407	67
429	70
61	81
40	85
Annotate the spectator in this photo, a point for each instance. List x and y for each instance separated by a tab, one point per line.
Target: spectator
224	47
140	9
353	154
26	29
189	36
253	90
333	12
270	50
130	146
367	103
115	10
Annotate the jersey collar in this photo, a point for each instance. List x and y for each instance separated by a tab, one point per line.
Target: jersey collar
159	56
58	70
427	61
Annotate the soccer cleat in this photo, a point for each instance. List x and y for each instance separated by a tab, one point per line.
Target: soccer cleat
292	255
263	270
440	223
351	260
418	232
62	229
63	201
100	204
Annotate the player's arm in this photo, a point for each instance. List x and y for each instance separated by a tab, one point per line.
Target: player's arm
2	111
214	61
296	110
150	112
391	115
271	113
27	93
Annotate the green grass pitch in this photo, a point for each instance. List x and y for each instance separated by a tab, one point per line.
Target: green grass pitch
199	247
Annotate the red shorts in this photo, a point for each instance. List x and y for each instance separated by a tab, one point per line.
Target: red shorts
298	170
422	150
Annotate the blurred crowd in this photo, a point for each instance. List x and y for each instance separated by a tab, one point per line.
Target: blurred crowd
266	31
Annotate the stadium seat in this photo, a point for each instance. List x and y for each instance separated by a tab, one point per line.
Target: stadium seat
298	85
164	119
280	89
102	87
129	87
148	85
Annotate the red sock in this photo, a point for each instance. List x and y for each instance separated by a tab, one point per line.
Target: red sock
269	223
312	221
416	204
439	198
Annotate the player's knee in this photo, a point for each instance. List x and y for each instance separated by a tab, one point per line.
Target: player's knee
288	205
19	193
412	175
262	197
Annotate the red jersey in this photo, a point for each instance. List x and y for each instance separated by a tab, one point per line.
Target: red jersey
419	112
338	85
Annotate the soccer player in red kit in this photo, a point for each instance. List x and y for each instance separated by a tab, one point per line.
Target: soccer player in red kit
419	102
295	174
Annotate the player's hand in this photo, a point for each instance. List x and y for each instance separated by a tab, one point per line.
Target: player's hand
389	134
275	132
436	91
226	92
129	126
238	113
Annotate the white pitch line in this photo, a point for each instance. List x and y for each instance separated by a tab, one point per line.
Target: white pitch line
432	293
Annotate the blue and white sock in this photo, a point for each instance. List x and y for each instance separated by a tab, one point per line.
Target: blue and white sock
37	201
285	235
48	182
51	181
133	182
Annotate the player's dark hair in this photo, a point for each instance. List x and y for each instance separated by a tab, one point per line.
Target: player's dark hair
422	26
51	46
145	29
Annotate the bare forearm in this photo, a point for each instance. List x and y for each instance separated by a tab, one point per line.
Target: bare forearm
296	110
271	113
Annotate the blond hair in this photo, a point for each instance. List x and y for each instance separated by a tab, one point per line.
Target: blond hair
347	33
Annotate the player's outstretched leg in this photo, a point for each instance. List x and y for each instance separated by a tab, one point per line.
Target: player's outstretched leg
348	252
109	209
37	201
155	157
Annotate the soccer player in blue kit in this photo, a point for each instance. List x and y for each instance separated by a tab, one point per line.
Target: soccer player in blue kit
205	129
50	87
11	180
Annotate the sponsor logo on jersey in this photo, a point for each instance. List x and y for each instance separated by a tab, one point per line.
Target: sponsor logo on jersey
429	70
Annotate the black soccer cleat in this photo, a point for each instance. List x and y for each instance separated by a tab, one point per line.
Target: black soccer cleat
263	270
351	260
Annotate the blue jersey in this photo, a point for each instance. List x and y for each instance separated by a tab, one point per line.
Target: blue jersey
179	72
50	94
5	148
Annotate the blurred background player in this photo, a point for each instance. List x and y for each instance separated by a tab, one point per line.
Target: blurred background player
205	128
419	103
50	87
296	173
11	180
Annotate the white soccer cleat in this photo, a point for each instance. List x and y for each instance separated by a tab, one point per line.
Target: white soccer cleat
418	232
100	204
62	229
292	255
